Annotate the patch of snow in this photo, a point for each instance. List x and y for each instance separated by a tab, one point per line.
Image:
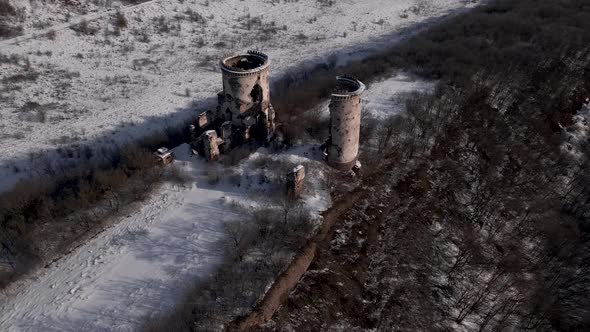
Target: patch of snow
578	134
387	97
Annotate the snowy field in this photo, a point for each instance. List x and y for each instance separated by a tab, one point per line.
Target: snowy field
102	85
145	263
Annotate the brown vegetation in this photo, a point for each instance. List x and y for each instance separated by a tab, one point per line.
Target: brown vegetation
476	129
44	217
6	9
52	212
489	224
258	247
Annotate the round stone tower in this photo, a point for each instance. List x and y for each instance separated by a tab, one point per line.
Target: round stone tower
245	99
345	123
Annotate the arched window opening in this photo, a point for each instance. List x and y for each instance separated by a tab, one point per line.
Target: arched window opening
256	94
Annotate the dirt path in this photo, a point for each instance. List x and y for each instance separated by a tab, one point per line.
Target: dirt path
334	292
289	279
279	291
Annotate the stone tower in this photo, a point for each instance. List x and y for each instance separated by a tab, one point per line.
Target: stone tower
245	99
345	123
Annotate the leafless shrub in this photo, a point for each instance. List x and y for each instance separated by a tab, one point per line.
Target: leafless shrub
6	9
120	20
13	59
144	37
33	116
178	177
139	64
326	3
213	175
195	17
51	35
84	28
18	78
220	44
301	37
163	25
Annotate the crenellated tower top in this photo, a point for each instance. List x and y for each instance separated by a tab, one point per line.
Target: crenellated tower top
347	87
250	63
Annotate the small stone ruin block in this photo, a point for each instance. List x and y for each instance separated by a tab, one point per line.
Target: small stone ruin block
211	143
295	182
164	156
204	119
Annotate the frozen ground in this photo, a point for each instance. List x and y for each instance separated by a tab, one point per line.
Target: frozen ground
145	263
387	97
104	85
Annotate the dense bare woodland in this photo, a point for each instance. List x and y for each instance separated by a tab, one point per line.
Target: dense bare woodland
483	222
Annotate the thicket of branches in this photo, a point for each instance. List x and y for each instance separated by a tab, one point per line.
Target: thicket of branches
505	33
490	231
493	229
43	217
256	249
489	228
9	14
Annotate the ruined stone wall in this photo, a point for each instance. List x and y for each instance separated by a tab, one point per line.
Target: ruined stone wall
238	89
245	90
345	123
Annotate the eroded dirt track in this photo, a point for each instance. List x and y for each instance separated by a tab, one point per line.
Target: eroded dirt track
279	291
334	290
319	254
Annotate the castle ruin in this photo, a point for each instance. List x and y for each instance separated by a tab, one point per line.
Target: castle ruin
345	123
245	99
244	111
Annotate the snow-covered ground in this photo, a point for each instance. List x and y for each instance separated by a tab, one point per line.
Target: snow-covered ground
146	262
387	97
72	90
576	135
